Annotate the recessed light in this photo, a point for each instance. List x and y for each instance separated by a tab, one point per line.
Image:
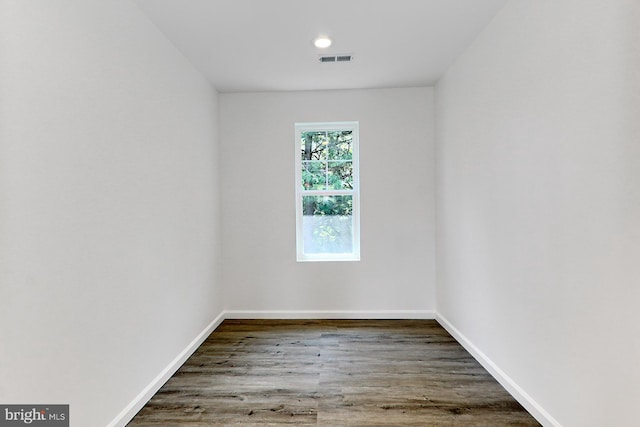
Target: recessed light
322	42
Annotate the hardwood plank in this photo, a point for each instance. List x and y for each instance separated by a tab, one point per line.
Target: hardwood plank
331	373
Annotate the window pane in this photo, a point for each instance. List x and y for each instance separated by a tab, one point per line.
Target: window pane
313	146
327	223
340	145
340	175
314	175
320	145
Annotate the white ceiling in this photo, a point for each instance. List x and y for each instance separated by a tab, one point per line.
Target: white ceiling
264	45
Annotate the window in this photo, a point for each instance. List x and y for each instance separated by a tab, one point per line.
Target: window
327	195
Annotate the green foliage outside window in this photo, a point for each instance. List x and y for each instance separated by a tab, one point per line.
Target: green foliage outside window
327	164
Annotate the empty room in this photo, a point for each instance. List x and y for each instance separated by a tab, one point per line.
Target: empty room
333	213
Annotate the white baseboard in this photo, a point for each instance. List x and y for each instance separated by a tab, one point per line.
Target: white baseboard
145	395
506	381
329	314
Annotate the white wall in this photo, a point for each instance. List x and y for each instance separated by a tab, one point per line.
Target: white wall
396	273
538	204
108	205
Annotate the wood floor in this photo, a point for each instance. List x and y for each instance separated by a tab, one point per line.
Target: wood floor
332	373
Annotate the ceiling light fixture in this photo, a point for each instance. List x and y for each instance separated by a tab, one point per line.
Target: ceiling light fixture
322	42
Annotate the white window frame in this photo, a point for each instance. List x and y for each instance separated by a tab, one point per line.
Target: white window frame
300	128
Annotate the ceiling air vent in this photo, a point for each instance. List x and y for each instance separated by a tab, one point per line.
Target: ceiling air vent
336	58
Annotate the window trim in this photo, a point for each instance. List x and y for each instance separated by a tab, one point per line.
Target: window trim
353	126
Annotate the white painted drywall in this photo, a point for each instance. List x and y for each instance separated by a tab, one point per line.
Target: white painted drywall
538	203
396	271
108	205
